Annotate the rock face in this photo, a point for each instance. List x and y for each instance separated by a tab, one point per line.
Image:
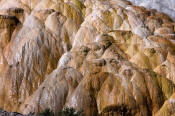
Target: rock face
106	57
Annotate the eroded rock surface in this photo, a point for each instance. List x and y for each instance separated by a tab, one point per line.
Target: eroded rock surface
106	57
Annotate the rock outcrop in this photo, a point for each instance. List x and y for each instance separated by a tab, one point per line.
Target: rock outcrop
106	57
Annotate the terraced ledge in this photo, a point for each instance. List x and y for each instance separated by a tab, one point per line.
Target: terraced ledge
116	111
6	17
8	21
15	10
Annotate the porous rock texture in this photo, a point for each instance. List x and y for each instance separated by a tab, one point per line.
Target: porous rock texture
106	57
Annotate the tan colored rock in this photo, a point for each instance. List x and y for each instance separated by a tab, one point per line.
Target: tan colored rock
164	30
167	108
153	23
34	48
7	26
104	57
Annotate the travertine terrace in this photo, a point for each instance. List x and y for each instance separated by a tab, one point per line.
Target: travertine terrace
106	57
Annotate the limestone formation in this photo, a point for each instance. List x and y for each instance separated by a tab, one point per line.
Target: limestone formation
106	57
